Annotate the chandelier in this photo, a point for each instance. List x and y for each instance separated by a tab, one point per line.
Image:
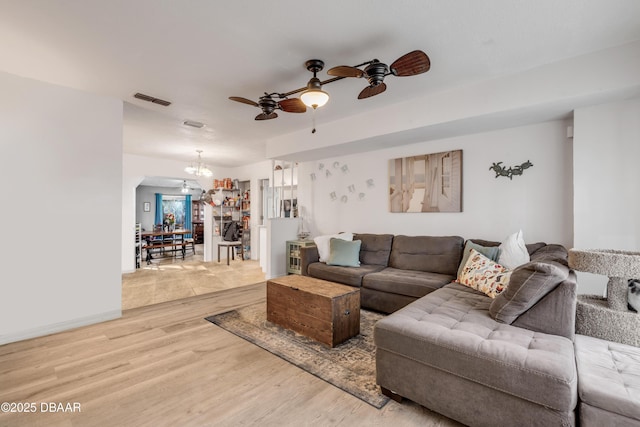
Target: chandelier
200	169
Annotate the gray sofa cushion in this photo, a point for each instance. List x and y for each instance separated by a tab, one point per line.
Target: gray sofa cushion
347	275
451	330
555	253
529	283
375	248
405	282
609	377
555	313
531	247
383	302
439	254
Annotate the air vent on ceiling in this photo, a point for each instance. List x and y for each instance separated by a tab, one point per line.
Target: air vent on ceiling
193	123
151	99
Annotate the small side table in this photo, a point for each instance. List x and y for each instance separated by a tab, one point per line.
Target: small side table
230	247
293	255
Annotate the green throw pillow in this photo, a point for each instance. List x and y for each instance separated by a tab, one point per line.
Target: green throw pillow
344	253
491	252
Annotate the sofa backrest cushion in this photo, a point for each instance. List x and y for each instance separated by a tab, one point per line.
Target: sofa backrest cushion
530	283
435	254
531	247
555	253
375	248
555	313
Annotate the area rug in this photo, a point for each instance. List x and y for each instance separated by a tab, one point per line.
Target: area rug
349	366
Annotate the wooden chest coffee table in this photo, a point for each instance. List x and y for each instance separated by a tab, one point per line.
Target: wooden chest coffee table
324	311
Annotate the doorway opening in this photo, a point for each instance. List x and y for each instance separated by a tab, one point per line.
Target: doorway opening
170	277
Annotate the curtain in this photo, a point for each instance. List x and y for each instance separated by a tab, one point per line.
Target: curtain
159	219
187	214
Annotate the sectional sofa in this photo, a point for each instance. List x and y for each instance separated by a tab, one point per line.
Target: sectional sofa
507	360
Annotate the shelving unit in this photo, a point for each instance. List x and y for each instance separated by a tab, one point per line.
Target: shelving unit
227	211
293	255
235	206
245	214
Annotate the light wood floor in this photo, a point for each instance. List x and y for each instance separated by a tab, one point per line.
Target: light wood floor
169	278
164	365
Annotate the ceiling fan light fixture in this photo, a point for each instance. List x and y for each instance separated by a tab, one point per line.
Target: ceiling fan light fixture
200	169
314	96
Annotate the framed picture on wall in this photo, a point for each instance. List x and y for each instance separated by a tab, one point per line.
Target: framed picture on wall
426	183
147	206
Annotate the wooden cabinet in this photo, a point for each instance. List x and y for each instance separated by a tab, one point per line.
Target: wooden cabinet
293	255
138	241
197	211
198	232
197	221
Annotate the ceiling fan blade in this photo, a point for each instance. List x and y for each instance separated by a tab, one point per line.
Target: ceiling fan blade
243	100
416	62
293	105
345	71
372	90
263	116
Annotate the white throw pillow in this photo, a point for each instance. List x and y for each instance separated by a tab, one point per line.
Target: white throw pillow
513	251
322	242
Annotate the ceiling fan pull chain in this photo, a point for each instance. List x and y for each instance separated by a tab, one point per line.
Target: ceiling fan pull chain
314	121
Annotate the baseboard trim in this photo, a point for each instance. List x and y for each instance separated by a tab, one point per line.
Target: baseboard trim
60	327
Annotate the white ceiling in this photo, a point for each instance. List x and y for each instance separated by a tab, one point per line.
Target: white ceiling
198	53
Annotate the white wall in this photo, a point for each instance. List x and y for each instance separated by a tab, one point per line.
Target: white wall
61	213
607	181
279	230
539	202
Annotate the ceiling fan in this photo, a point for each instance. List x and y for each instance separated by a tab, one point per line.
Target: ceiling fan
290	105
410	64
268	105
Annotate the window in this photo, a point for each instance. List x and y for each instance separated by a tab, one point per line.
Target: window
174	205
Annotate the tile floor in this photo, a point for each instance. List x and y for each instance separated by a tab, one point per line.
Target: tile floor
167	279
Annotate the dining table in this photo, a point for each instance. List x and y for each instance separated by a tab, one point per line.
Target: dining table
160	242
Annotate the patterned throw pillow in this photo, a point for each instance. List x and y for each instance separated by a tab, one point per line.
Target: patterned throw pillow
484	275
491	252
